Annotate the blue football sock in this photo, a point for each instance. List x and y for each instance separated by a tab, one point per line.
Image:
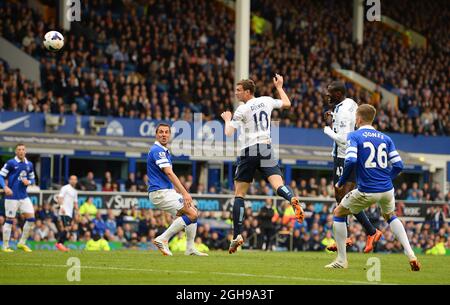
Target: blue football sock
365	222
238	215
285	192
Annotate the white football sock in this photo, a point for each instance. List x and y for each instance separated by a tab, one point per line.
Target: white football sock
399	232
7	227
27	228
340	234
191	230
177	225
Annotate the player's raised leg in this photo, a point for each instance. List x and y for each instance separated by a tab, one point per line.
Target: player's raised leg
241	189
373	234
283	191
170	201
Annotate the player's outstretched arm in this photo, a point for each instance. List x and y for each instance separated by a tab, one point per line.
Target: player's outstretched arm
229	129
278	83
340	139
178	185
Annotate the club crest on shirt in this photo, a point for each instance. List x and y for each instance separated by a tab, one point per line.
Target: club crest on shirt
23	174
162	155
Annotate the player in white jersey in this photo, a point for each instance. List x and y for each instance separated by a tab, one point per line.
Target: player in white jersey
253	120
68	202
344	119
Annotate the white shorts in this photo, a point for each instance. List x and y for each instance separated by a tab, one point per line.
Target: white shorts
24	206
167	200
357	201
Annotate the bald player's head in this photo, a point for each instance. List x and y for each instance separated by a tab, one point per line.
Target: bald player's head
336	92
73	180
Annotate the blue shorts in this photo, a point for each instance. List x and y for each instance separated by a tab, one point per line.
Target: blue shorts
256	157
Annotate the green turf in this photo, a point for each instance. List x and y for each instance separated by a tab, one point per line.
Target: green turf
244	267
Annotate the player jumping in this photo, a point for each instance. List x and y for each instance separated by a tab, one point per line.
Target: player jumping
19	174
161	183
68	201
377	163
253	118
343	124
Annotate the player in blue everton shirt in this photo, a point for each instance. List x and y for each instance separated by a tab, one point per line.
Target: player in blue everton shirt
377	163
19	174
161	183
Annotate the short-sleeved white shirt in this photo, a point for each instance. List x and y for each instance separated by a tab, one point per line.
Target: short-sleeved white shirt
70	196
252	119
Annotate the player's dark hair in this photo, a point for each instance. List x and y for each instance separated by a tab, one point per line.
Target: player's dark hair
18	144
338	86
247	84
161	125
367	113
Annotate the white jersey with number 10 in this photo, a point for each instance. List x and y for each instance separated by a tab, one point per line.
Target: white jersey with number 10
252	120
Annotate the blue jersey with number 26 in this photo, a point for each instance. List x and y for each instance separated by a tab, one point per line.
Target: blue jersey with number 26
375	157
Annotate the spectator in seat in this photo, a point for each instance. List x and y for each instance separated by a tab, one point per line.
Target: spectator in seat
199	245
107	187
88	208
87	183
328	240
131	182
97	243
46	212
107	178
99	225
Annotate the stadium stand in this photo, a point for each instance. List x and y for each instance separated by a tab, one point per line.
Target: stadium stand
140	78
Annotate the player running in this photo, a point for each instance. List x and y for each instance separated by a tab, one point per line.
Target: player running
68	201
344	123
377	163
19	174
161	183
253	119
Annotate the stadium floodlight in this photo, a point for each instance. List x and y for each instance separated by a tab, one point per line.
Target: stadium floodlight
95	124
52	122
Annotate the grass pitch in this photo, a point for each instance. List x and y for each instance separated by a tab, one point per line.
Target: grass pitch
243	267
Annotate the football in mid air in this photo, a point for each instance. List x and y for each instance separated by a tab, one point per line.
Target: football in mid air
53	41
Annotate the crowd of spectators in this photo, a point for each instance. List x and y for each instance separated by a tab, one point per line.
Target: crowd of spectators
323	41
428	192
320	187
167	60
